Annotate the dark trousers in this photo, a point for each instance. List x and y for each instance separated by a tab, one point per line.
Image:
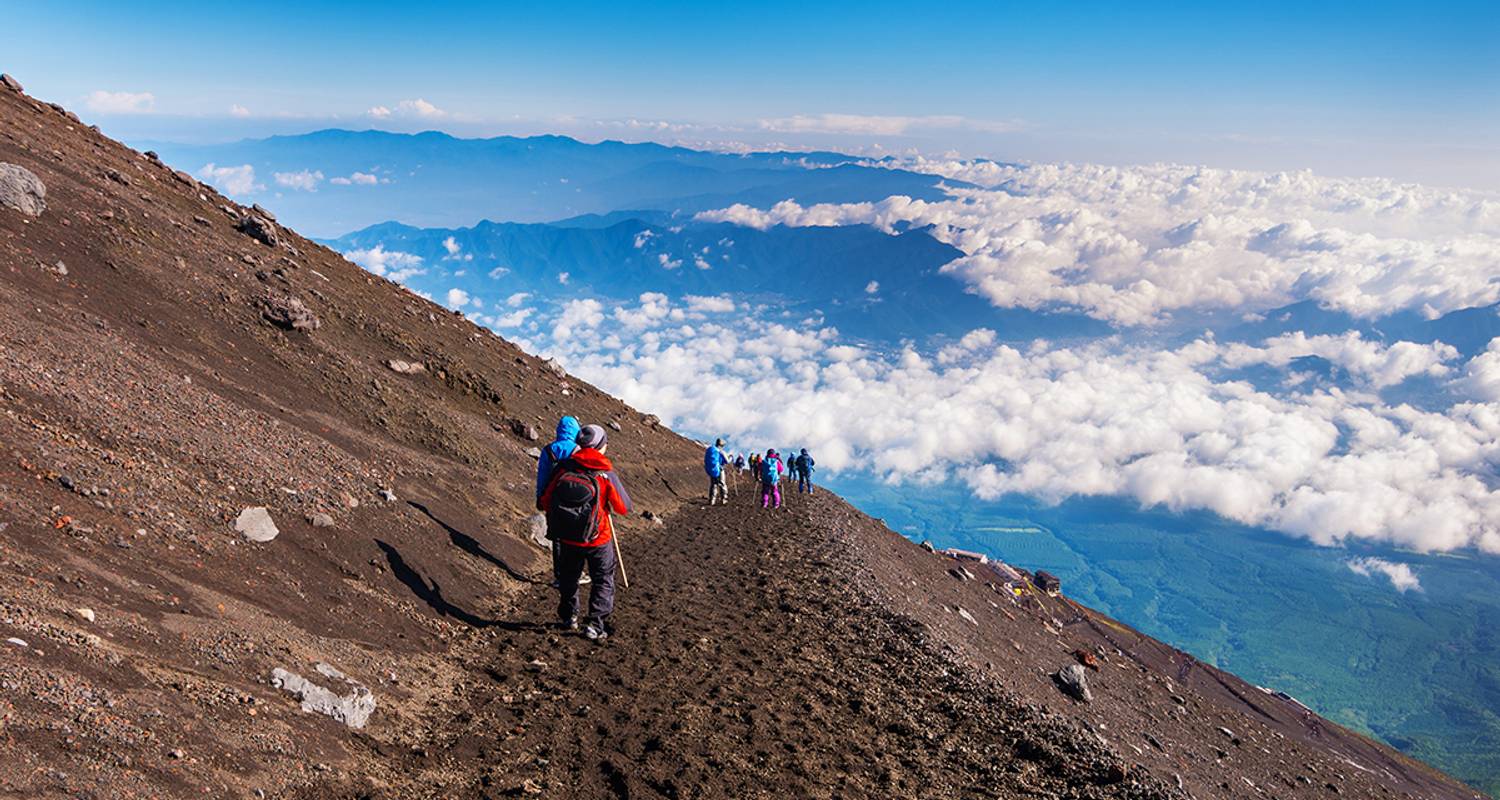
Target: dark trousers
572	560
804	483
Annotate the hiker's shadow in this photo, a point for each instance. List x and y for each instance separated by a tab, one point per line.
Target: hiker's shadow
431	593
470	545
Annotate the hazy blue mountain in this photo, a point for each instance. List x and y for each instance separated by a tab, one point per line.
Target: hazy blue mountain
820	272
433	179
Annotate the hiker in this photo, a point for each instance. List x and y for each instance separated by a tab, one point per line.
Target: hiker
584	491
755	465
739	461
561	448
770	480
714	462
802	465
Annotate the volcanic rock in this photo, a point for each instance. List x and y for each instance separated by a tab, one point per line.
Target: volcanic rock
255	524
290	313
259	228
1074	681
21	190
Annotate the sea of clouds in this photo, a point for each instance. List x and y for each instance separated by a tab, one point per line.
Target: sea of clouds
1167	420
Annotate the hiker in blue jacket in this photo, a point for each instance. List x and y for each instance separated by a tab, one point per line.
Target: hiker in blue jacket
714	462
560	450
803	466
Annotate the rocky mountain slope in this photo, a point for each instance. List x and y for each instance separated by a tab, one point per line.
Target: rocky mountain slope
175	370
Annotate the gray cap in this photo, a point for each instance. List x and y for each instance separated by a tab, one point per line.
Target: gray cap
592	436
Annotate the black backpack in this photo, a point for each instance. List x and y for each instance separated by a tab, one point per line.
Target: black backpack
573	503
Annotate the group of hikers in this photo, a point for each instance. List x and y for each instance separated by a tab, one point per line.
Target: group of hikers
765	469
577	490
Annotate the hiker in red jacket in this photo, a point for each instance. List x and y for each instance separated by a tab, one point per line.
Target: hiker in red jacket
582	493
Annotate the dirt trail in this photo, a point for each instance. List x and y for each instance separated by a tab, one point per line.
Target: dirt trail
747	662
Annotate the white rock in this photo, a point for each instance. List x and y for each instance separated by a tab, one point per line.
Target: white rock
353	709
17	642
22	190
86	614
256	525
537	525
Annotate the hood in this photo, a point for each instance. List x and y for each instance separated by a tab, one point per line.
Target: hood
567	429
589	458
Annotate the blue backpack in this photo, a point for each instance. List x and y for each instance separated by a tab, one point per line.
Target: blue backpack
769	474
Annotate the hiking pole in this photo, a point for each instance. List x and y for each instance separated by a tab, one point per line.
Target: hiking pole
620	562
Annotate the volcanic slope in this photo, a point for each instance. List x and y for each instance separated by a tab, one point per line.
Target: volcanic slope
169	359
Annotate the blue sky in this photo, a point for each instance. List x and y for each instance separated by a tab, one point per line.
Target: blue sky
1344	88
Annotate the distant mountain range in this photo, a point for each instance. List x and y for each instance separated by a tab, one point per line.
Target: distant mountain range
335	181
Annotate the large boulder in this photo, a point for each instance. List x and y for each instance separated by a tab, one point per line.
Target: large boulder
289	313
255	524
22	190
352	709
11	83
1074	681
259	228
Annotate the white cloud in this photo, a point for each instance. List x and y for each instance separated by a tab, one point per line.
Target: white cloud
1135	245
1101	418
709	305
874	125
1369	362
417	108
512	319
667	262
1401	575
577	315
238	110
357	179
237	181
872	287
515	300
454	250
393	264
562	277
700	263
103	102
654	307
304	180
457	298
642	238
1482	374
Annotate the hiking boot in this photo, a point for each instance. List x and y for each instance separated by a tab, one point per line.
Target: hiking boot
595	631
569	624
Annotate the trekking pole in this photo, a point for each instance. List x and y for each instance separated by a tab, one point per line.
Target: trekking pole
620	562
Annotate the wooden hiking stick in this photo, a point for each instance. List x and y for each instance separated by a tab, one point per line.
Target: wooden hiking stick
620	562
